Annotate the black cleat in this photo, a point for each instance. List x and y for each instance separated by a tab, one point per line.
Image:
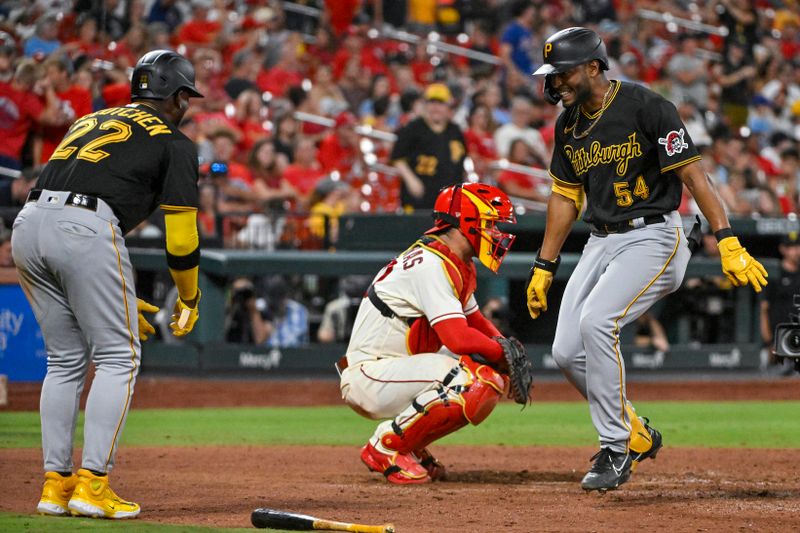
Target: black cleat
655	439
610	470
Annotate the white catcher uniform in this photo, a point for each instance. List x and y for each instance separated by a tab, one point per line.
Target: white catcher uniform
382	377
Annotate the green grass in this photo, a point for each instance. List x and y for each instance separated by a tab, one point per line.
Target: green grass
18	523
722	424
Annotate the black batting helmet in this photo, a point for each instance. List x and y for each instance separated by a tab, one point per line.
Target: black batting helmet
160	74
569	48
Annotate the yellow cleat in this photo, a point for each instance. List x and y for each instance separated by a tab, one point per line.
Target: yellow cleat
94	498
56	492
645	441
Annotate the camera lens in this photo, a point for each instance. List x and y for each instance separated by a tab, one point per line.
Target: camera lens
787	340
794	341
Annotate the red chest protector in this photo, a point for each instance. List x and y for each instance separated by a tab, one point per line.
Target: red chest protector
462	275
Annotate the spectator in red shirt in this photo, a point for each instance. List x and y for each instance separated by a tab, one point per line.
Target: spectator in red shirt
354	47
305	172
208	79
322	50
284	74
131	47
250	116
339	149
480	137
520	184
75	102
198	30
340	14
21	108
87	43
223	145
267	166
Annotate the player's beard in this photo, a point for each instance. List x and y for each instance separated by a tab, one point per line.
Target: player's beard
582	94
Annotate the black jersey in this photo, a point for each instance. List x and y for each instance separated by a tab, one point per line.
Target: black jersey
437	158
132	157
626	162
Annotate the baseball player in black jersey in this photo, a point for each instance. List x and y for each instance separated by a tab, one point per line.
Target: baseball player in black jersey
110	172
429	152
624	149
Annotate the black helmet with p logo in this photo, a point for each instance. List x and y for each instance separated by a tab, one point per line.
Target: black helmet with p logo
160	74
569	48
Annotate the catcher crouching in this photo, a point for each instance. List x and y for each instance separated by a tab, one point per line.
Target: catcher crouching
420	303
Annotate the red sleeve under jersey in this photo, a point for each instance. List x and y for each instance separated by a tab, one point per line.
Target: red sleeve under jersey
461	339
481	323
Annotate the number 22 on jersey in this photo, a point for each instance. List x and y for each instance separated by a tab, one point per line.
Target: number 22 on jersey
91	152
623	192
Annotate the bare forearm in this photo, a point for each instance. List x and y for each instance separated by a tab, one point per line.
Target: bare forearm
705	194
262	329
766	331
412	182
561	214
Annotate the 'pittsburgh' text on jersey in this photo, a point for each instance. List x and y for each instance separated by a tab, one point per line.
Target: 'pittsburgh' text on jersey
625	165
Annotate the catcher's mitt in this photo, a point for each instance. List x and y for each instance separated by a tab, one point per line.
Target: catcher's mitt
520	370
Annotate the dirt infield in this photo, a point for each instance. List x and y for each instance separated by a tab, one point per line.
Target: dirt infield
490	489
170	392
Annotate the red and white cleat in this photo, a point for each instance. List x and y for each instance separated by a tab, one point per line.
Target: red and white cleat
398	468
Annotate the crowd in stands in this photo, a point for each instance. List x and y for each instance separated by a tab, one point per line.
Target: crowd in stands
301	110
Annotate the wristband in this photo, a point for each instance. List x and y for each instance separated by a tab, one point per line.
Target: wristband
544	264
724	233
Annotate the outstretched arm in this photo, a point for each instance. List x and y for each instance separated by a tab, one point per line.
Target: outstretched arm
738	266
183	259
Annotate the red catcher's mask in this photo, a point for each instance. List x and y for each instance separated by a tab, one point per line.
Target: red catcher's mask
475	209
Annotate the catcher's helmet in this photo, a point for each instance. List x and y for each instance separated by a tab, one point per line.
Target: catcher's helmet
475	209
569	48
160	74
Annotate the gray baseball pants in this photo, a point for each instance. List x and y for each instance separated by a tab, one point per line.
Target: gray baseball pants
76	273
618	277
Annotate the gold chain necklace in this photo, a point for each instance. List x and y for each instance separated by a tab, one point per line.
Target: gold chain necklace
596	120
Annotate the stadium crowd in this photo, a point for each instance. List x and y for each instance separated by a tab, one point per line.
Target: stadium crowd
303	106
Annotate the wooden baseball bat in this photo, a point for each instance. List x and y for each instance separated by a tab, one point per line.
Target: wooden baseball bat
272	518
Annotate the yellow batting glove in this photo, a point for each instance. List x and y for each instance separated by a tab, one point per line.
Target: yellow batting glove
539	281
145	328
739	266
184	317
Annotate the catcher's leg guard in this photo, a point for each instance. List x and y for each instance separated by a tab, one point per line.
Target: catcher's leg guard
467	395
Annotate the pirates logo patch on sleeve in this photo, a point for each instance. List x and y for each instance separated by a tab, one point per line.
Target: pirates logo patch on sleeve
673	142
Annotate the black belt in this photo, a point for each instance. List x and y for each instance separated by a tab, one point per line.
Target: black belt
385	310
74	199
624	226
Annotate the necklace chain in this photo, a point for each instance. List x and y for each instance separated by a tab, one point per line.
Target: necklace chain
596	120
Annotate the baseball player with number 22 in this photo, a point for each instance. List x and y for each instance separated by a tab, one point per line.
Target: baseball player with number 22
109	173
625	148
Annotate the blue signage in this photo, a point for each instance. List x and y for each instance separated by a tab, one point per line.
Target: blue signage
22	353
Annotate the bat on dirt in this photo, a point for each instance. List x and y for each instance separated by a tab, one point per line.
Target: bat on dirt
271	518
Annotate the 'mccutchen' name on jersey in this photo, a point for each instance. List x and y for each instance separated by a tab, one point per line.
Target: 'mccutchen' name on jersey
625	164
151	123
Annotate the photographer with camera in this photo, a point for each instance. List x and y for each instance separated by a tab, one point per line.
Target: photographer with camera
244	323
777	304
